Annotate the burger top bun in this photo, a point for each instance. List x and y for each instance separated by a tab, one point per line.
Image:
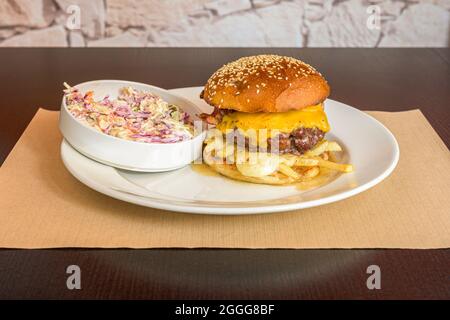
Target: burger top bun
265	83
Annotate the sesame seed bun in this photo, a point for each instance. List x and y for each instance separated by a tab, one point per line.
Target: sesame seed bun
265	83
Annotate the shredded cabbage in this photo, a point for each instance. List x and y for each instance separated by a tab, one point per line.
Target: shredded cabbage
135	115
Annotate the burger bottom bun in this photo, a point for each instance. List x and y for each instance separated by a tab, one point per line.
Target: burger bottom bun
277	178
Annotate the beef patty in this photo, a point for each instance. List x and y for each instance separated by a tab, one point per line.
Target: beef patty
296	142
299	141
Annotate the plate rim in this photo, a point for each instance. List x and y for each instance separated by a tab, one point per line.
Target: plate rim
141	200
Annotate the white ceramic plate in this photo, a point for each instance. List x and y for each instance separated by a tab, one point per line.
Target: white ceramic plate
368	145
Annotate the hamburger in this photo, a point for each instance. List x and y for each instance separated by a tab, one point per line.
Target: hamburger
268	124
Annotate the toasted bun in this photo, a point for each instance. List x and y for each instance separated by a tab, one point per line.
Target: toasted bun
230	171
265	83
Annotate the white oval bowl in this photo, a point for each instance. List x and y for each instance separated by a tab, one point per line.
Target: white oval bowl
125	154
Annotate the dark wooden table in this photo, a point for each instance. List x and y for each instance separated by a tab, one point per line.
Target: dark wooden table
370	79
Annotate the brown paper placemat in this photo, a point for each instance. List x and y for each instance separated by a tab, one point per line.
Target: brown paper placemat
43	206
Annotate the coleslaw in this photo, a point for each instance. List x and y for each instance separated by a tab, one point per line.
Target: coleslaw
135	115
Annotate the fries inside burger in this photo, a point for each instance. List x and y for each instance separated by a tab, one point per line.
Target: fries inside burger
269	122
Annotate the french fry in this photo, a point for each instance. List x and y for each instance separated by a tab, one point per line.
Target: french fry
320	148
312	172
288	171
288	159
335	166
306	162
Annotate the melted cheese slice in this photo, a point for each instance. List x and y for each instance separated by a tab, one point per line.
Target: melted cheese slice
286	122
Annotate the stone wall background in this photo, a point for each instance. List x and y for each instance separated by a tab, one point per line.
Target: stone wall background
227	23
